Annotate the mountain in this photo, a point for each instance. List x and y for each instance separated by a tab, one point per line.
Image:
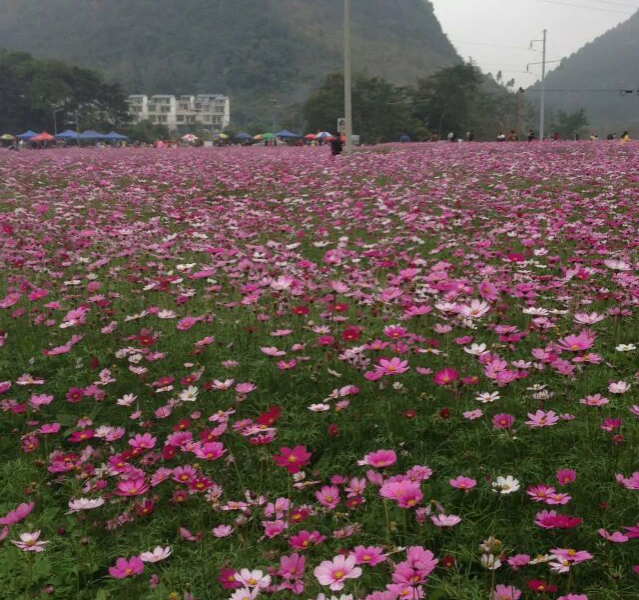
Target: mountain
254	50
607	64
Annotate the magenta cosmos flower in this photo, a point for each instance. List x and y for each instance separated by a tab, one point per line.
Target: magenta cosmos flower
293	459
379	459
334	572
127	568
446	376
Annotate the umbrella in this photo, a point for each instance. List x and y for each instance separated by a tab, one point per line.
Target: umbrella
243	136
189	137
222	136
286	134
322	135
114	136
7	137
90	134
69	134
27	135
42	137
258	137
268	136
310	136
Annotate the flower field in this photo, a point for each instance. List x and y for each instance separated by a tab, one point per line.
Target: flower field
267	373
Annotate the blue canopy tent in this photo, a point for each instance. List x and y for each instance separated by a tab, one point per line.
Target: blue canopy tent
285	134
91	135
27	135
69	134
114	136
243	136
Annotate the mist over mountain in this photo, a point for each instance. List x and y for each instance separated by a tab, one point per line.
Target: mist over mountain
254	50
592	77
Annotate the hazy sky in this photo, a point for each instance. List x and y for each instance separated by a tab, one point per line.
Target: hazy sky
472	23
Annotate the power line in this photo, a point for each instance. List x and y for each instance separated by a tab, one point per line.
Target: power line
607	10
613	3
493	45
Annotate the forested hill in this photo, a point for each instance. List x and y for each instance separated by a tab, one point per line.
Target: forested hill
596	73
255	50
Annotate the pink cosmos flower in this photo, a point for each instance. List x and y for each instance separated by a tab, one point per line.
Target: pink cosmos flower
615	536
573	597
127	567
132	487
334	573
186	323
463	483
577	343
630	483
619	387
144	441
368	555
394	366
506	592
328	496
222	531
406	493
379	459
21	512
542	419
209	450
445	520
30	542
503	421
517	561
594	400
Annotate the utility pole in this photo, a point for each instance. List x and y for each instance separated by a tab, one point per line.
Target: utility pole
542	115
542	111
348	102
77	128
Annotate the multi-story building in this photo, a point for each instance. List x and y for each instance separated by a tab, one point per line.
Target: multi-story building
184	114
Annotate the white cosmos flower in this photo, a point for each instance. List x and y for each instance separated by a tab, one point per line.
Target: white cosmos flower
617	265
476	349
319	407
156	555
253	579
189	394
506	485
625	347
487	397
489	561
78	504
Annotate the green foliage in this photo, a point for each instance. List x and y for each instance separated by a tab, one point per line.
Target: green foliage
254	50
455	99
568	124
33	89
146	132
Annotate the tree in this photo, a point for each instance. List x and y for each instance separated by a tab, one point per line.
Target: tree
381	111
146	132
444	101
568	124
33	89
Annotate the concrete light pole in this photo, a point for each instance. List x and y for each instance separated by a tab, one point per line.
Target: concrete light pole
348	102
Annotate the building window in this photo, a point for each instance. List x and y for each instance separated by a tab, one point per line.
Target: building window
180	118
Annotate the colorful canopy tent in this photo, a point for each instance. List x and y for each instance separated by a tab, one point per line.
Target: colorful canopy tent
114	136
285	134
69	134
42	137
243	136
7	137
310	136
91	135
259	137
27	135
189	137
221	136
322	135
268	136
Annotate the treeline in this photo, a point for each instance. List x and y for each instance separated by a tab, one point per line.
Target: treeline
32	90
457	99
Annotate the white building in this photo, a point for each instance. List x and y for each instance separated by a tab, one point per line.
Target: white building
185	114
